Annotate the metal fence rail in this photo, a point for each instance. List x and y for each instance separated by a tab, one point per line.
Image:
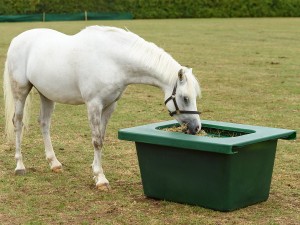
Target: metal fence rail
66	17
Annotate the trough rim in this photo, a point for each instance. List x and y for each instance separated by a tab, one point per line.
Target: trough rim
152	134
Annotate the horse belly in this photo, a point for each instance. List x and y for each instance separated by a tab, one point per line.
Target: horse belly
61	88
62	95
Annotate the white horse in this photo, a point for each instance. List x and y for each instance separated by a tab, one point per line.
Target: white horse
92	67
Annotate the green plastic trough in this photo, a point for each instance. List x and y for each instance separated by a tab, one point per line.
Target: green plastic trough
221	173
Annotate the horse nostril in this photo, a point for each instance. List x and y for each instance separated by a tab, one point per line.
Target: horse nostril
197	129
194	130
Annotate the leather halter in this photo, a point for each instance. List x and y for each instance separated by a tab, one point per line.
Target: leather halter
177	110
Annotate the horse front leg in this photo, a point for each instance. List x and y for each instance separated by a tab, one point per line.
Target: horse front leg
98	120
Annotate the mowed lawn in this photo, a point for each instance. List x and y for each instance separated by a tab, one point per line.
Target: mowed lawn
249	71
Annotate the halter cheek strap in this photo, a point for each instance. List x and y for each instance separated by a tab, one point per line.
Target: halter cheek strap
177	110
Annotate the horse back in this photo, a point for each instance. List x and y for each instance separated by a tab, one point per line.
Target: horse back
65	68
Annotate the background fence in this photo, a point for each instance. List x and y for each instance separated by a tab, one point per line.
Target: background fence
65	17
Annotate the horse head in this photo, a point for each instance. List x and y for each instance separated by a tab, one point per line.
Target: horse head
182	101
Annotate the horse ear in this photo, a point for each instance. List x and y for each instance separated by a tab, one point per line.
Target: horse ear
180	75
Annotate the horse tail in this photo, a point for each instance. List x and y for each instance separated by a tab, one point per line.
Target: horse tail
10	107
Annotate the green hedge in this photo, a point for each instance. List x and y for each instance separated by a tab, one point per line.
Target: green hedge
159	8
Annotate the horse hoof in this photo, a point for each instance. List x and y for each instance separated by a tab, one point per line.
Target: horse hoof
57	169
20	172
103	187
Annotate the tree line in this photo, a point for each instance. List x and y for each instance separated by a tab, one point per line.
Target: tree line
147	9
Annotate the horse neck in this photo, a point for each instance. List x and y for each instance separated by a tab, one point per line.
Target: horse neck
151	65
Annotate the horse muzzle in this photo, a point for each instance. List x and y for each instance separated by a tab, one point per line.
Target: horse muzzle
193	127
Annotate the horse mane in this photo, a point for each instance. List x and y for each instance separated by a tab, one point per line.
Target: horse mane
155	58
150	56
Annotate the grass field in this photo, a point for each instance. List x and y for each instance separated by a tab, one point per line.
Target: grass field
249	70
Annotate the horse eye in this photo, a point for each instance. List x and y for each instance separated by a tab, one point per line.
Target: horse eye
186	100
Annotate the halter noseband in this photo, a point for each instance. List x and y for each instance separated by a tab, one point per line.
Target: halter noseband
177	110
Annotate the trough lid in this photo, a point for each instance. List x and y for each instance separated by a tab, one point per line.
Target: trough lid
152	134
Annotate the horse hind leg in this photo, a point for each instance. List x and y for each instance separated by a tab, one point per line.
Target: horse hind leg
47	107
18	124
20	94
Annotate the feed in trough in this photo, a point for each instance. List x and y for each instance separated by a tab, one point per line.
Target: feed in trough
205	131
